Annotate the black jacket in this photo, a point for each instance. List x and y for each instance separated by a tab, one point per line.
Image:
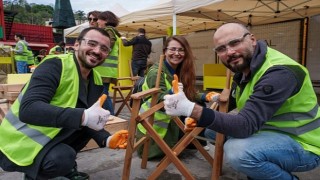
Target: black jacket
36	109
141	47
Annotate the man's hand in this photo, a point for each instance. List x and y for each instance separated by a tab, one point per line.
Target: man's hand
96	117
212	96
189	124
118	140
178	104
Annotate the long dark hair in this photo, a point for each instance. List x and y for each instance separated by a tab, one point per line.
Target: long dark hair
186	69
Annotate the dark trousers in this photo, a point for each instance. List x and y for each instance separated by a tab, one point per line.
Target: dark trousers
61	158
138	67
108	103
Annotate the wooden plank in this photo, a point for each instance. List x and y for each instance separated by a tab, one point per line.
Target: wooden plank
11	87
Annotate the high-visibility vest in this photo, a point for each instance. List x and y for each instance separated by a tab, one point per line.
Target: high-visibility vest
30	57
24	55
161	119
52	50
299	116
109	68
22	142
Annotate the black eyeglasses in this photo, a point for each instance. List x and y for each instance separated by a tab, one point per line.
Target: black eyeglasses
93	19
231	44
94	44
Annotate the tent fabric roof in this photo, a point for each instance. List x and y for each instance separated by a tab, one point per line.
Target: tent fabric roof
195	15
257	12
74	31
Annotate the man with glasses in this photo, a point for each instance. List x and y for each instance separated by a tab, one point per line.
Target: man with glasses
58	112
276	131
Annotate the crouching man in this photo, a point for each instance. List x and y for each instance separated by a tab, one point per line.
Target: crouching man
58	112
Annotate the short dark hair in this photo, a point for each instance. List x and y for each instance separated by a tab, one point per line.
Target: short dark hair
141	30
86	30
19	35
110	17
62	44
94	13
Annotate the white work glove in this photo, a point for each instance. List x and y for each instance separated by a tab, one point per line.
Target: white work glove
178	104
95	117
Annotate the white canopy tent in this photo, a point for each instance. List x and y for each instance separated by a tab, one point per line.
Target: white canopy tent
161	17
163	12
74	31
186	16
256	12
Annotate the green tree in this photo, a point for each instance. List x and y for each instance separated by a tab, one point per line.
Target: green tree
29	13
80	16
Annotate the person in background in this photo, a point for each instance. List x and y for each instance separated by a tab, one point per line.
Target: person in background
108	70
141	50
179	60
276	131
42	54
58	49
58	112
21	53
93	18
70	50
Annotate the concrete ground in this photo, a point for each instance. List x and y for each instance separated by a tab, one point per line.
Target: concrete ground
105	164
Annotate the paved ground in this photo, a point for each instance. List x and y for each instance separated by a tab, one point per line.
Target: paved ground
105	164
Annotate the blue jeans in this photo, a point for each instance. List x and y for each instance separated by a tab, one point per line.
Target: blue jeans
22	67
138	67
268	155
108	103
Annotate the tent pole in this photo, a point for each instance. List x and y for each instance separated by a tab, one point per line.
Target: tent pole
174	24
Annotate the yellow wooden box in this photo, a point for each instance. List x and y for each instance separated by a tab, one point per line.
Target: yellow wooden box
214	76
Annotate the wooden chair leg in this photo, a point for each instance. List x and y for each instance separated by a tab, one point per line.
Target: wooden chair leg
114	98
124	102
218	157
167	150
131	143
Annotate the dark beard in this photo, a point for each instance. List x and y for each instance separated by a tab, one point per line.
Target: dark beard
87	65
239	67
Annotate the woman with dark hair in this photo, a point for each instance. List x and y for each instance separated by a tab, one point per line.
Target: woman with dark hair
109	69
93	18
179	60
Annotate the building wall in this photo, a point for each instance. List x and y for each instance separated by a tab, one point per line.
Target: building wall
285	37
313	50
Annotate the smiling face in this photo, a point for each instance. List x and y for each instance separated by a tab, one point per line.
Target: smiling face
174	53
88	55
234	46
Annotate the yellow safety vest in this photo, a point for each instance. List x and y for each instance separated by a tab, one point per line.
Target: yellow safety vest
22	142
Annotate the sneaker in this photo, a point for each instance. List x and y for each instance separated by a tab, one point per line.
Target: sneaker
76	175
207	148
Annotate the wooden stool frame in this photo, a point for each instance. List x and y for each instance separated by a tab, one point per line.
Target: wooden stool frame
146	120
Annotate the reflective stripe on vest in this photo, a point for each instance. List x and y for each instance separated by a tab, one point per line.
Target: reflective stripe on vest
299	115
21	142
109	68
161	119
